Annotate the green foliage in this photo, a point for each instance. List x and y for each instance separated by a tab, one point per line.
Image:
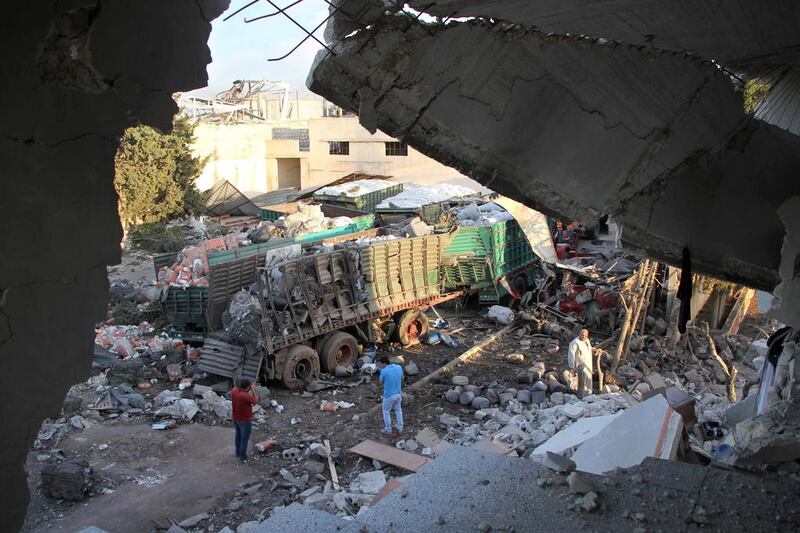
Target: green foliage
754	93
157	237
156	174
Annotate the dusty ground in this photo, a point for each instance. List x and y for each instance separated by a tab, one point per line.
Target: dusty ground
147	478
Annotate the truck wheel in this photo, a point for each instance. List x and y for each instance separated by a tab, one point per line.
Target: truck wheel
340	348
411	326
301	366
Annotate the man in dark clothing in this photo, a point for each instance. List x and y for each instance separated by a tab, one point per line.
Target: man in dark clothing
243	398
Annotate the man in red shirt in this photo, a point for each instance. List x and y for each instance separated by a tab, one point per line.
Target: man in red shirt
243	398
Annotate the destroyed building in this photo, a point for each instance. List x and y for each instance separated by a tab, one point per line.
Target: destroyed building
619	109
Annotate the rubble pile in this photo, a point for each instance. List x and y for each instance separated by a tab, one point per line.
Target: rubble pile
135	340
523	417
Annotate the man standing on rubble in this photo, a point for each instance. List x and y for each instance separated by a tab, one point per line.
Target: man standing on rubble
579	359
243	398
392	378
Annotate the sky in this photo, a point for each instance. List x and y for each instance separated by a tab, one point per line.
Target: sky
241	50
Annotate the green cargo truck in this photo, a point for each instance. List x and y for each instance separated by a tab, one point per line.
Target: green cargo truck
316	307
199	309
494	260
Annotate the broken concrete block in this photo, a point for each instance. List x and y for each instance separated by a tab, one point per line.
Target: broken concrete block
574	435
318	501
460	380
649	429
193	520
369	482
447	419
452	395
314	467
465	398
588	502
69	480
291	453
411	369
692	376
316	489
642	388
655	381
741	410
474	389
573	410
480	402
554	461
580	484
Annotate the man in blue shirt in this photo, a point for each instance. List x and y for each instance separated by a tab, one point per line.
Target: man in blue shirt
392	378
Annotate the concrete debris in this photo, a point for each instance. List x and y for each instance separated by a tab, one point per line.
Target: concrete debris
588	502
449	420
572	436
192	521
369	482
460	380
291	453
556	462
183	409
411	369
579	483
648	429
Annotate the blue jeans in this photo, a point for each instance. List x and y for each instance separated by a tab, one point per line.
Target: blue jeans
393	402
243	430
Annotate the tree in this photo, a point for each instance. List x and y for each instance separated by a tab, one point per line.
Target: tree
156	174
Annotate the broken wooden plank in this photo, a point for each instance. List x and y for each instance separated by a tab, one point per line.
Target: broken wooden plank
334	475
391	455
464	357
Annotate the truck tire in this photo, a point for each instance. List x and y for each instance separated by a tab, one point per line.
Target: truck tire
301	366
411	326
340	348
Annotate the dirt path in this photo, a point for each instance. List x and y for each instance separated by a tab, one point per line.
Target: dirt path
161	475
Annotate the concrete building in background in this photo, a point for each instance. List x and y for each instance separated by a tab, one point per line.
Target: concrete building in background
309	150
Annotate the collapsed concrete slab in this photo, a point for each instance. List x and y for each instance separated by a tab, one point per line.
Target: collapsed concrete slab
649	429
578	127
740	33
574	435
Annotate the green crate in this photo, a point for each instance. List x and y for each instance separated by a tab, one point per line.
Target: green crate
365	202
186	308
